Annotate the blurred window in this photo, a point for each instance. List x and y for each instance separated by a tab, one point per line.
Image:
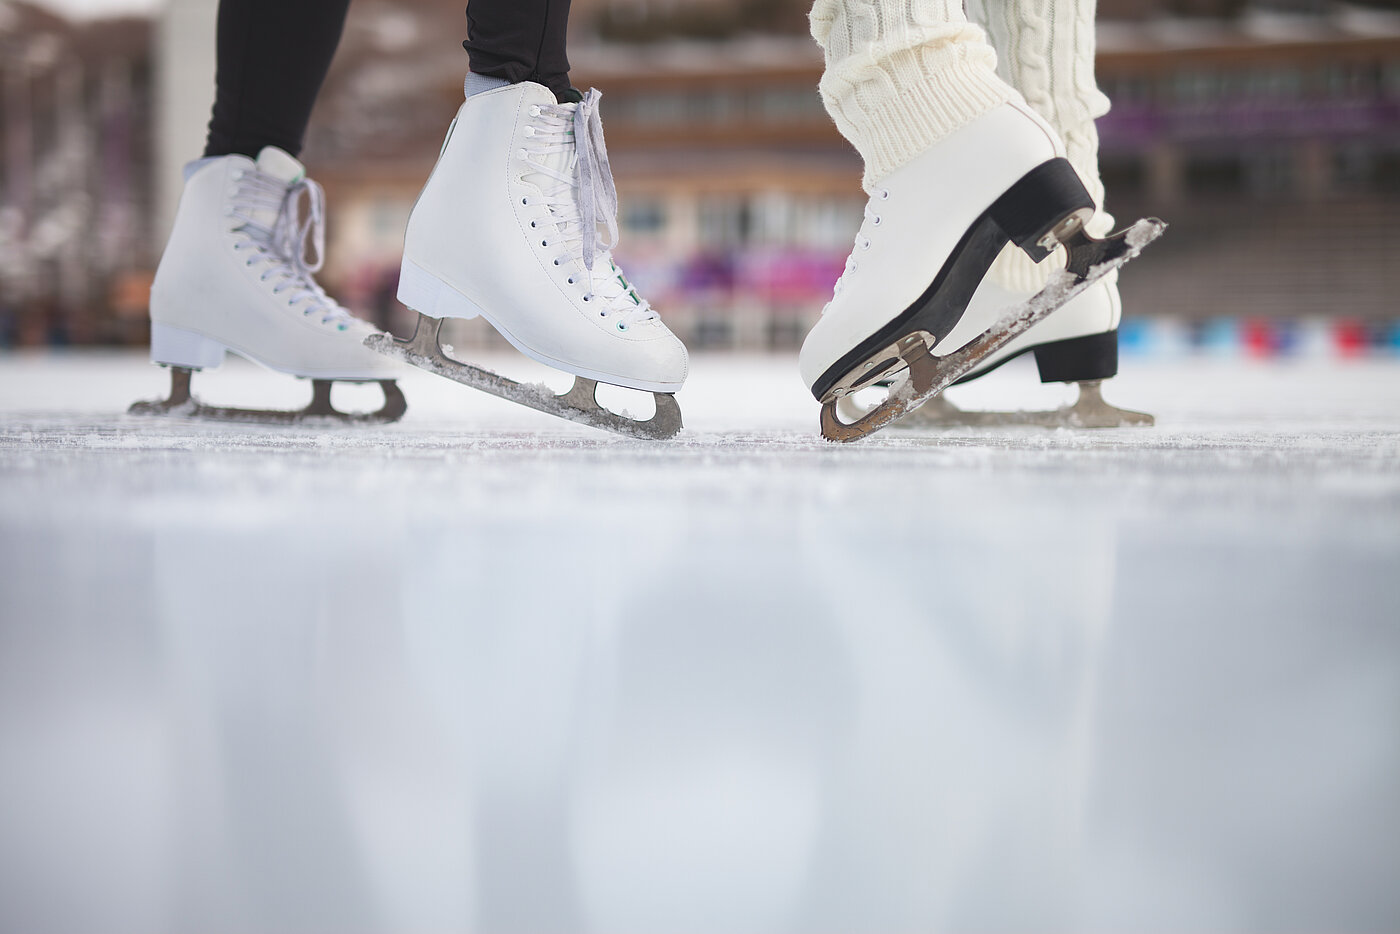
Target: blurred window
725	222
1270	172
1354	167
786	105
1390	79
713	329
658	108
386	220
1122	173
643	216
773	219
826	223
1387	172
1190	88
675	107
1211	174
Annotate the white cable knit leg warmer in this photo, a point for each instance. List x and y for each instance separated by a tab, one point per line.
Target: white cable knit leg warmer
902	74
1045	50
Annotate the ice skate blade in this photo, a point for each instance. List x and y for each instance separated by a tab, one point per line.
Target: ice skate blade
579	404
182	404
1090	410
1089	259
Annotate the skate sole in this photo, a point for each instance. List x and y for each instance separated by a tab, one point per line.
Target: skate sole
426	293
191	350
579	404
1089	260
1046	205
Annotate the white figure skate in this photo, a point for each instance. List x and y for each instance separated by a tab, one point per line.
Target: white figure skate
1077	344
507	228
234	276
932	230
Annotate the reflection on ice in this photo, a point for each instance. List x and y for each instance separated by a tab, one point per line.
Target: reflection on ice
252	738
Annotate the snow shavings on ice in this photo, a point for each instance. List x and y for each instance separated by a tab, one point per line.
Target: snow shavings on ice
750	437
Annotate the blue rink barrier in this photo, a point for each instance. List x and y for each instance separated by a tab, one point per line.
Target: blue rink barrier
1260	338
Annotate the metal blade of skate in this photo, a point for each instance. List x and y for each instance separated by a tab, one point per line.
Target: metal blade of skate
1090	410
1089	259
184	405
579	404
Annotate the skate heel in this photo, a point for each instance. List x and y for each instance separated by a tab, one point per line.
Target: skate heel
426	294
1076	359
172	346
1044	207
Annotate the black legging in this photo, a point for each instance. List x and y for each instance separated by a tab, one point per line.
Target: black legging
273	56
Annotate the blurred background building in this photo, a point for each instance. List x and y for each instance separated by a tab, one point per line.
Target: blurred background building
75	173
1267	133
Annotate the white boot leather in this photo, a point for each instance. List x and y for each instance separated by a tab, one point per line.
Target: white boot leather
234	277
506	228
914	220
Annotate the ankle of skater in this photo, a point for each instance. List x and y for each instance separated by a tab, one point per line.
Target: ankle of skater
558	85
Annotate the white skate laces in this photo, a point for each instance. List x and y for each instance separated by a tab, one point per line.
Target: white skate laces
569	161
283	246
863	240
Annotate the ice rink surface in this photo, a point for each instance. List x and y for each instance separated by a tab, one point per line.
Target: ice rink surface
484	670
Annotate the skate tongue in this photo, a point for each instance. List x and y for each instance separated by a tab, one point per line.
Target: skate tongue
576	171
277	163
284	210
263	197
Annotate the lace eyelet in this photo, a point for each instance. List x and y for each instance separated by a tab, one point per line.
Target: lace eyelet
533	225
876	220
622	325
865	245
544	243
588	298
556	262
603	313
525	201
571	280
884	194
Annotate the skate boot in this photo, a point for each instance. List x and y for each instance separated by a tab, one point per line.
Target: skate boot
508	228
932	231
234	277
1077	344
